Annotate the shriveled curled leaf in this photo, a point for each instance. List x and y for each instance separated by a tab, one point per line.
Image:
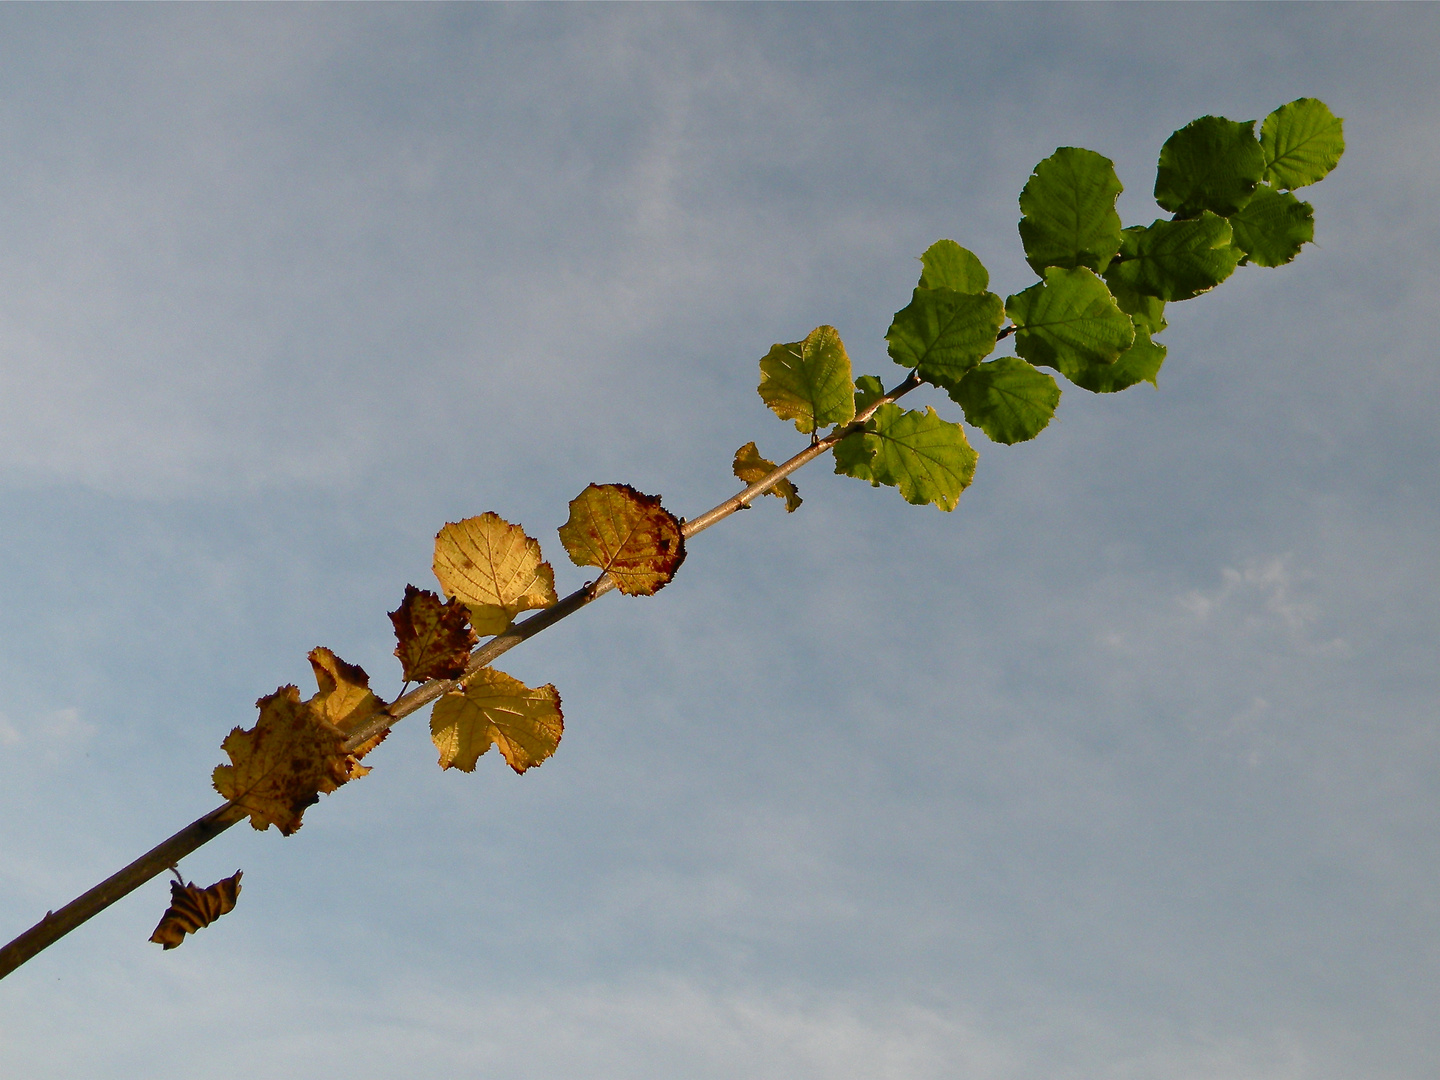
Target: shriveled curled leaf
193	908
809	381
628	535
282	765
750	466
496	710
434	638
494	569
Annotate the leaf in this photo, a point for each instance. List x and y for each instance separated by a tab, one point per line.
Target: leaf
1209	164
928	459
750	466
943	333
868	390
947	265
1302	142
1008	399
345	700
1069	321
1069	208
434	638
1175	260
809	381
284	763
853	455
1273	226
494	569
1139	363
628	535
496	710
193	908
1146	312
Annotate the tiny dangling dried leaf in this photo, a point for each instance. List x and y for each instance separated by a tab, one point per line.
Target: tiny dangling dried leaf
496	710
434	638
284	763
750	466
494	569
628	535
193	908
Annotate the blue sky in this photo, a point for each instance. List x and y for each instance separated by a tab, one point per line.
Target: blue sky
1127	768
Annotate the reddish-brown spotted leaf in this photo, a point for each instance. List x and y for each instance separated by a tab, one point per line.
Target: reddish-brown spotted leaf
434	638
494	569
628	535
193	908
496	710
750	466
284	763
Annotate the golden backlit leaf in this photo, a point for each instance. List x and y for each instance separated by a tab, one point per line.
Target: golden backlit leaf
193	908
496	710
284	763
434	638
494	569
345	700
750	466
626	534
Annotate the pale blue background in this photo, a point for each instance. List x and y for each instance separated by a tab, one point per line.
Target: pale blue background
1126	769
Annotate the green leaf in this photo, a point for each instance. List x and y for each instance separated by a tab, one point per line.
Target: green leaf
868	389
809	381
1139	363
1272	227
947	265
1069	321
1175	260
1301	142
1008	399
928	459
1069	208
1209	164
1146	312
853	455
943	333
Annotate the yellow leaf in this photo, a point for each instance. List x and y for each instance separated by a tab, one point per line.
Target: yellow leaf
284	763
193	908
494	569
496	710
345	700
628	535
750	466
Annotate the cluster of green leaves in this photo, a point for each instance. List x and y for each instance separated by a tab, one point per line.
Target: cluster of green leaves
1093	316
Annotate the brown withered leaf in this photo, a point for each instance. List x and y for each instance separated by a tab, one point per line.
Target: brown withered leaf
626	534
494	569
284	763
750	466
434	638
345	699
193	908
496	710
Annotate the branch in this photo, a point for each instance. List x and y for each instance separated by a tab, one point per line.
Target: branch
56	924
